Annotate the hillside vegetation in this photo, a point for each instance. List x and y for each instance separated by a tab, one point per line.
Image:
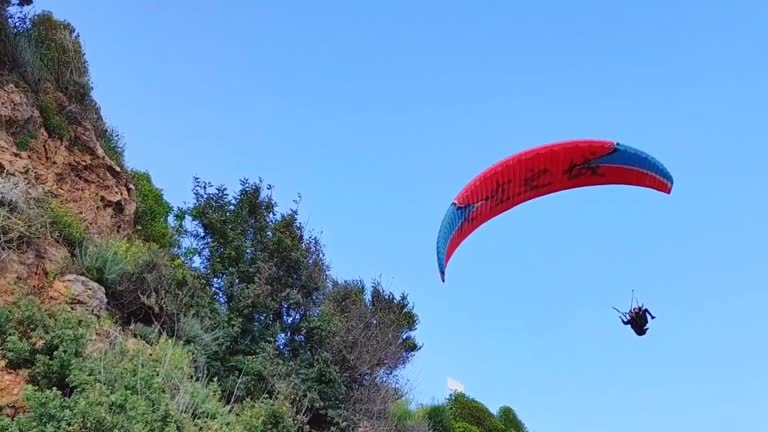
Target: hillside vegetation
221	315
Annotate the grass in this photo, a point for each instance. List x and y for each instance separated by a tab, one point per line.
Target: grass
66	226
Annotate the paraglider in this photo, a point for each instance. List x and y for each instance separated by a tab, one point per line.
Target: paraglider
542	171
637	317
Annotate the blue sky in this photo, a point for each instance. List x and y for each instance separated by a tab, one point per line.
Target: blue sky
395	107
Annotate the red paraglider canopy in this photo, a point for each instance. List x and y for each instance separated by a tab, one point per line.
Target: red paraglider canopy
541	171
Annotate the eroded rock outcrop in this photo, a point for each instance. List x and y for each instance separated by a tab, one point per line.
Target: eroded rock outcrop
81	294
75	170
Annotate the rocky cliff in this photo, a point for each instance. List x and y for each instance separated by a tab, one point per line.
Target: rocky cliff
75	171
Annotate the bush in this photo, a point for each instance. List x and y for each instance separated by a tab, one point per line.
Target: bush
144	285
47	342
128	385
264	417
58	48
40	48
104	263
25	141
66	226
17	49
53	122
112	143
465	427
152	211
464	409
406	419
438	418
26	216
508	417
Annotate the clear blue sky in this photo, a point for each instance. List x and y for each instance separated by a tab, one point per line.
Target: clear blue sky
379	114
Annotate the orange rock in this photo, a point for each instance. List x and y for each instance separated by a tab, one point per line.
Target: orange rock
84	178
11	391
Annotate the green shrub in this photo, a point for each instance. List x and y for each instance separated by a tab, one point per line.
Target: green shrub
508	417
58	48
402	412
26	216
128	386
464	409
264	417
66	226
104	263
438	417
145	286
25	141
406	419
465	427
53	122
47	342
152	211
113	146
17	49
39	48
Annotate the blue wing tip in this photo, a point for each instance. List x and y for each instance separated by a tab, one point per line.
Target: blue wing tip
661	170
454	216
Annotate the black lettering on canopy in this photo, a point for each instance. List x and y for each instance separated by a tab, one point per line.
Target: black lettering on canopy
535	181
585	168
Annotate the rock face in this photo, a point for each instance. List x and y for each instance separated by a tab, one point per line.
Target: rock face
77	172
11	388
80	176
81	293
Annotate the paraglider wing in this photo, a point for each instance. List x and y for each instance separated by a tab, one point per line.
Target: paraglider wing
541	171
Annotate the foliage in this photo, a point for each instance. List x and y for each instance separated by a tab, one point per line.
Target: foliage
113	145
127	385
405	419
144	285
261	265
152	211
61	52
25	141
438	417
17	49
41	48
368	337
402	412
27	216
336	348
66	226
465	427
465	409
266	417
53	122
508	417
104	263
46	342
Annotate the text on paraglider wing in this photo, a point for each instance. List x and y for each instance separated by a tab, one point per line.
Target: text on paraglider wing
583	169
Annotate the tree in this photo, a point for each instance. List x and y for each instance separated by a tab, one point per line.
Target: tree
331	347
508	417
464	409
262	266
367	335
